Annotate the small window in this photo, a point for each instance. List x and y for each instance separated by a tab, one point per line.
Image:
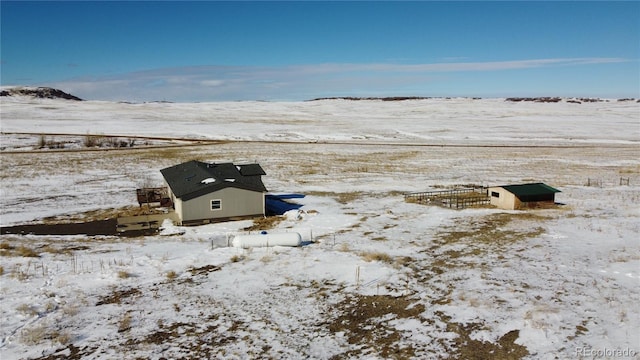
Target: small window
495	194
216	205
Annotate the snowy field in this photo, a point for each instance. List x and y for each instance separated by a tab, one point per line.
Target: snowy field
378	277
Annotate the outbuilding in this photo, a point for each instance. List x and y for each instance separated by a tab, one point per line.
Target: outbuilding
204	192
521	196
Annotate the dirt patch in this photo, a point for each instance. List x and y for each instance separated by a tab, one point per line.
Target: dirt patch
102	214
71	352
264	223
194	340
470	349
99	227
204	270
118	295
364	321
89	228
497	230
91	223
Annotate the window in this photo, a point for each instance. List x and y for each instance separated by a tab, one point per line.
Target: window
216	205
495	194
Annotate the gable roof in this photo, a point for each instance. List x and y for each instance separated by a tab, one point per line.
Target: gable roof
250	170
195	178
532	189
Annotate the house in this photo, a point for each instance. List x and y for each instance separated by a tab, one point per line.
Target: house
203	192
513	197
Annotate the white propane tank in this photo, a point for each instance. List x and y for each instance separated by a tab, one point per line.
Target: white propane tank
266	239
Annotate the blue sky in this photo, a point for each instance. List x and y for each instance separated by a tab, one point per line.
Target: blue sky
210	51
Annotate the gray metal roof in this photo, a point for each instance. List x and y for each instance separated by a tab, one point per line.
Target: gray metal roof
195	178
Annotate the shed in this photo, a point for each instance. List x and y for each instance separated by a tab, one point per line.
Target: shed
520	196
204	192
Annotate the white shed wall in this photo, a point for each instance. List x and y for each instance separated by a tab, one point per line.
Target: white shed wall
505	200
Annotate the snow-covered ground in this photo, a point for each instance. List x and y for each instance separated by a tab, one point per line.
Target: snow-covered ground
382	278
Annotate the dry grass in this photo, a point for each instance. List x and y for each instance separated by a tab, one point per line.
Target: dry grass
629	170
26	252
343	197
493	229
40	332
62	338
465	244
18	273
71	309
175	154
34	335
264	223
125	323
171	275
403	261
377	256
122	274
27	310
480	236
7	249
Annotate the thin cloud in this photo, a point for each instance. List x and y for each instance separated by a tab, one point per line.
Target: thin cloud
212	83
465	66
295	82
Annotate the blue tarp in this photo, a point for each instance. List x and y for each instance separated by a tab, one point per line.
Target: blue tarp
276	204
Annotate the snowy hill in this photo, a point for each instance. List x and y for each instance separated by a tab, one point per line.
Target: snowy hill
38	92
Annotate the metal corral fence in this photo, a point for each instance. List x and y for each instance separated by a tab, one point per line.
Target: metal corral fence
454	198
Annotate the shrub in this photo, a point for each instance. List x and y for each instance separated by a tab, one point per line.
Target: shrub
18	273
42	142
93	140
377	256
63	338
33	335
27	309
171	275
26	252
7	249
125	323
